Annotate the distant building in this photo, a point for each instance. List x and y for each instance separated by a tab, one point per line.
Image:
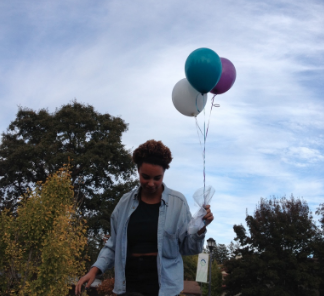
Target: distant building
191	288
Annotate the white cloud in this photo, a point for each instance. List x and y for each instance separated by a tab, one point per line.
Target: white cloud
302	156
125	57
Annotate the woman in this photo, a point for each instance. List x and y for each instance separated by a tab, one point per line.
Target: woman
149	232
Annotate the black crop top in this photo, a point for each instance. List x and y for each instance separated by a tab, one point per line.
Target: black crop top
142	229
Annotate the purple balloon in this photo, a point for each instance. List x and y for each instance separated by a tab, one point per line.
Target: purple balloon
227	78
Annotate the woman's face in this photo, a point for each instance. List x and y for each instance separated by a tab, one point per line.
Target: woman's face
151	177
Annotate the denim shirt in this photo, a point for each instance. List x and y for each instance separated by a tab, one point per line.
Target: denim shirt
173	241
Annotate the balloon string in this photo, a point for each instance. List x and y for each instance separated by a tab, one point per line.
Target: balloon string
198	130
197	104
211	107
204	154
205	134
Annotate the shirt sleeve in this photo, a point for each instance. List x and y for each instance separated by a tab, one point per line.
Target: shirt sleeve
190	244
106	257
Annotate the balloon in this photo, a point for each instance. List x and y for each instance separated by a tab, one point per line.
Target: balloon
186	99
227	78
203	69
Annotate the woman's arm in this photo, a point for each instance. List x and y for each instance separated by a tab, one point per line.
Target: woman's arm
208	218
88	278
191	244
106	257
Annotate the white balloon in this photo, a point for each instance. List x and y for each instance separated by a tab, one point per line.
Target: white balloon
187	100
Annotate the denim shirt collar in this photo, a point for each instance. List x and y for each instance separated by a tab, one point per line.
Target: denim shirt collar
165	193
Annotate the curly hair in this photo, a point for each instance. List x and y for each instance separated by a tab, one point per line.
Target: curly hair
152	152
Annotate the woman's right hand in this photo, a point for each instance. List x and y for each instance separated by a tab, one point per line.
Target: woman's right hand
88	278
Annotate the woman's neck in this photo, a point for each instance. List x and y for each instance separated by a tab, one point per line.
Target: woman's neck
152	198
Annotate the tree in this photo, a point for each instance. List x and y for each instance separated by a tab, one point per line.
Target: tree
216	281
320	211
36	144
220	253
319	253
190	267
233	249
41	247
277	253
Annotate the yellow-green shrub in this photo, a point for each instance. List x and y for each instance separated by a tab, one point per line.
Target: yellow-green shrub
41	247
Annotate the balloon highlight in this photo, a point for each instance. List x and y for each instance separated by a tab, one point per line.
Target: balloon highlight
186	99
203	69
227	78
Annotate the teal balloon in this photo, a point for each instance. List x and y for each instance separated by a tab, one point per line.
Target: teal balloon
203	69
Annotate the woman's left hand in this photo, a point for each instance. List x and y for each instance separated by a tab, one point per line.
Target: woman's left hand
208	218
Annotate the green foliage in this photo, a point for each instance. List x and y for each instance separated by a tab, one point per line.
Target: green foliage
320	211
216	281
190	267
220	253
233	249
41	247
319	245
277	255
37	144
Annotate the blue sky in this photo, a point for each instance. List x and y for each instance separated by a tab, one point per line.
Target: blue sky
124	57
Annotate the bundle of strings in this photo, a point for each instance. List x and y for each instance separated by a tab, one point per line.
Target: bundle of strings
202	197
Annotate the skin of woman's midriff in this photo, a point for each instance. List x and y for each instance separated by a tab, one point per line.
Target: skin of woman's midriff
144	254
